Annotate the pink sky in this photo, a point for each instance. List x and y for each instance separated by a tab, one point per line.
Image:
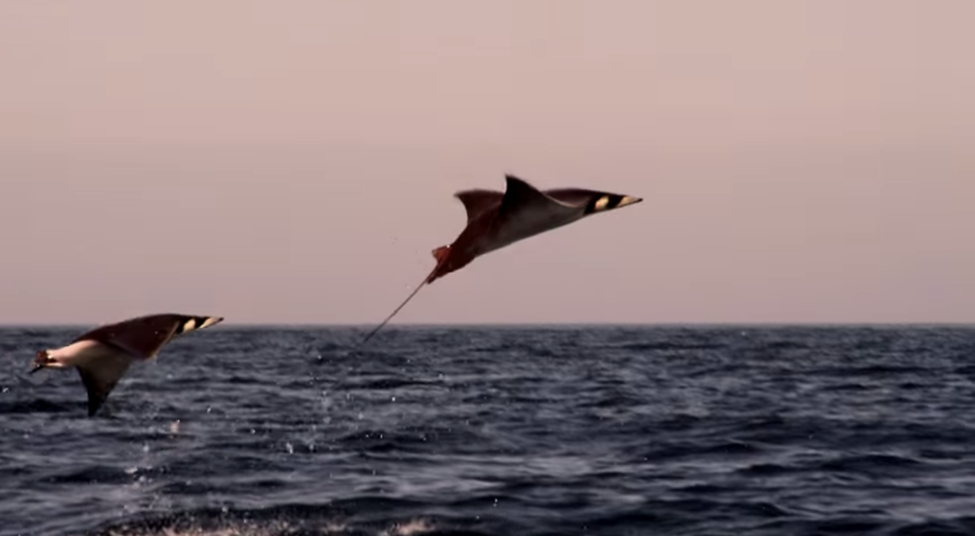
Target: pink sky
294	161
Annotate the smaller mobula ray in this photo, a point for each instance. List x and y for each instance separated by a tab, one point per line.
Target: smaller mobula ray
104	354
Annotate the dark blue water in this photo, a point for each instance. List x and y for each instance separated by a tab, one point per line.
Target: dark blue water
500	431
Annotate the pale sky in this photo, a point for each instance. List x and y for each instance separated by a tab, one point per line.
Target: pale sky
295	161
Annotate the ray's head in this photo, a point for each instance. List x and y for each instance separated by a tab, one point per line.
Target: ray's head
44	359
604	202
192	323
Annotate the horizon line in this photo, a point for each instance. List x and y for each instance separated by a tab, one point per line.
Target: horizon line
346	325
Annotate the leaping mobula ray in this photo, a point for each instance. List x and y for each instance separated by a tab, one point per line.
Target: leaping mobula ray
104	354
496	220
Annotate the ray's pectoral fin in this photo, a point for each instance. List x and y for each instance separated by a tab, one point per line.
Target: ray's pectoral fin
145	336
521	197
101	380
477	202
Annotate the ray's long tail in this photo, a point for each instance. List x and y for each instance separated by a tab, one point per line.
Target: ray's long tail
391	315
440	254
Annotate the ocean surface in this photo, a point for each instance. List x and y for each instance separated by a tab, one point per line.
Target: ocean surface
522	431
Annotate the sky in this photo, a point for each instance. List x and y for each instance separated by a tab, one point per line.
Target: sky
294	162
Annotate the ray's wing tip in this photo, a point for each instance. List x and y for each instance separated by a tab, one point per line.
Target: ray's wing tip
516	184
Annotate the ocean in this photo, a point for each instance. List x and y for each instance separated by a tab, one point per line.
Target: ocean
493	430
